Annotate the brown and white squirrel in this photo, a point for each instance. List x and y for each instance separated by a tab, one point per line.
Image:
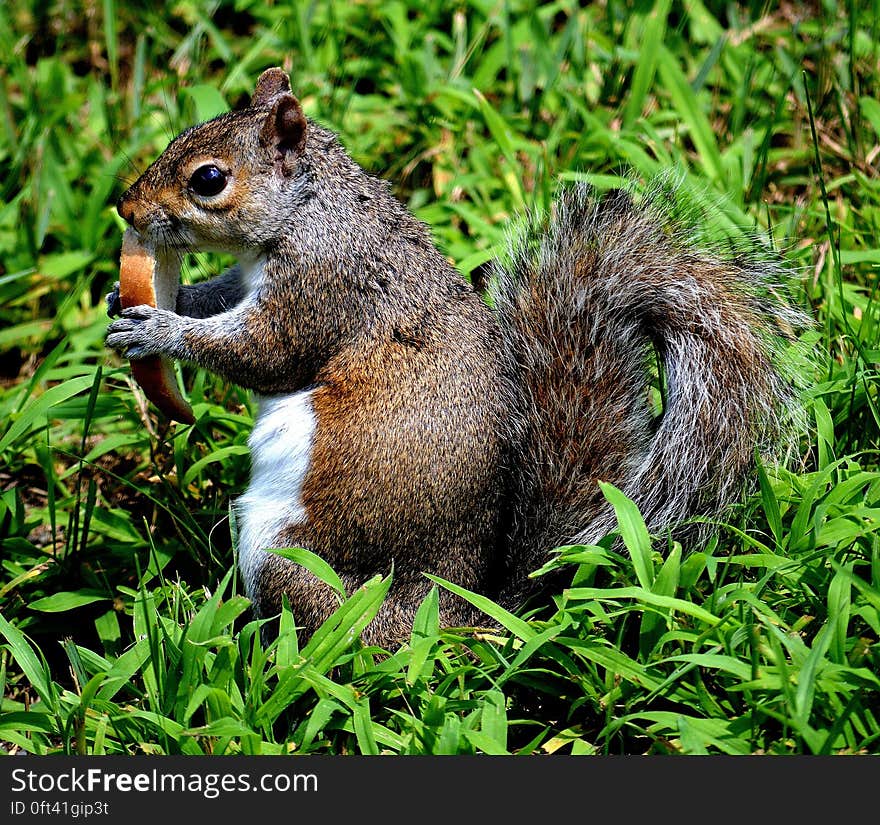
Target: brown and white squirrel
402	421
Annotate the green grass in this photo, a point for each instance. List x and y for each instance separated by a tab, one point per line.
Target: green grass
124	629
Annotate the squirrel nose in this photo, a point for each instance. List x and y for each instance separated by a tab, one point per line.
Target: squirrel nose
125	210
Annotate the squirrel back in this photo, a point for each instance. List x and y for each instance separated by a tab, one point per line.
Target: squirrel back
405	423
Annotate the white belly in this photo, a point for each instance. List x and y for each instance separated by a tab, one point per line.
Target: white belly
281	446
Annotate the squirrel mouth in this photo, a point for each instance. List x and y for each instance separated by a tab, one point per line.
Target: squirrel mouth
167	234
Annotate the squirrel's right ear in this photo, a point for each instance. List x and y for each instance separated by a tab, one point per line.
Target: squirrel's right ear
284	131
270	84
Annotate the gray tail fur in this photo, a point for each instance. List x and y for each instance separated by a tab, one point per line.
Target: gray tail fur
591	301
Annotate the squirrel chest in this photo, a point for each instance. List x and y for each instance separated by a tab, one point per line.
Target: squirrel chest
281	447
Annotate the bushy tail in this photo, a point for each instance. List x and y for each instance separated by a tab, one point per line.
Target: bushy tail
591	301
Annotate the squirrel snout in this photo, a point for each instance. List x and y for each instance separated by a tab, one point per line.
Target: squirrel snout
125	210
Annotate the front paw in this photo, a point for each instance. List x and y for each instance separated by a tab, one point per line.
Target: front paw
142	331
114	305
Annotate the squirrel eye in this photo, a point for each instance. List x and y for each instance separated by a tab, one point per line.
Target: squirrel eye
207	181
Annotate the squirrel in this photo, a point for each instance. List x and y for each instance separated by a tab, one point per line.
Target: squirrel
403	421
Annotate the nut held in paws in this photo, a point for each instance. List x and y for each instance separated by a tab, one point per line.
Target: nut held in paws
146	277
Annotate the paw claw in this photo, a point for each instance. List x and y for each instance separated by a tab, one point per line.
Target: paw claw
121	325
114	305
139	313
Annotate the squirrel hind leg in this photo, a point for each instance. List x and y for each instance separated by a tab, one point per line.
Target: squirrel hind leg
313	602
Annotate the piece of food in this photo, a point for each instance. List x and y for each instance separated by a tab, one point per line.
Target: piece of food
148	277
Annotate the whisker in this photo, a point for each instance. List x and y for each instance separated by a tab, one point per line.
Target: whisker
132	165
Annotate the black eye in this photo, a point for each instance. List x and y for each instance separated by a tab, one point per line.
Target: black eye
207	181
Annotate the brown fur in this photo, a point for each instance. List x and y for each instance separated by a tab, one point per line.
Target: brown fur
385	485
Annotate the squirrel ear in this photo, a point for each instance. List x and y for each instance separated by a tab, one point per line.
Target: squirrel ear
270	84
284	129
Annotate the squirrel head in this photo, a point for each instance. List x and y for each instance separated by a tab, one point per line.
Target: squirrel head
226	184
